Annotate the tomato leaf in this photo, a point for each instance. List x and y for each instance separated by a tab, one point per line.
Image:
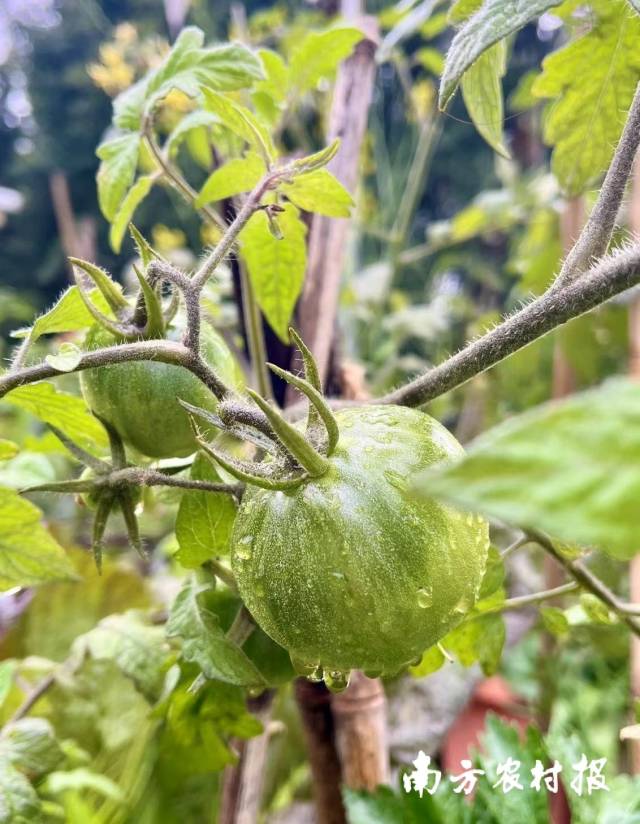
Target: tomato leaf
591	82
30	746
19	802
205	519
318	56
495	20
117	170
29	554
68	314
236	176
203	640
482	93
241	121
553	469
8	449
276	267
194	120
319	191
68	412
132	200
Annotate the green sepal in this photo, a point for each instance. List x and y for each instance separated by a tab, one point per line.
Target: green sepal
154	320
243	433
110	292
250	472
105	505
316	400
118	330
61	486
78	452
128	507
145	249
310	372
293	441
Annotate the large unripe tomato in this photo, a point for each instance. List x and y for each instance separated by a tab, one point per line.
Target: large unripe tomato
349	570
140	399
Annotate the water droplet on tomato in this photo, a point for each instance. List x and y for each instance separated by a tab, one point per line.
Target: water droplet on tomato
311	671
425	597
336	680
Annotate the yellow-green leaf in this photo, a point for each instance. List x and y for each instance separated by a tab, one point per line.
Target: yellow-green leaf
8	449
320	192
591	82
117	170
240	121
132	200
276	267
29	555
318	56
482	93
236	176
69	314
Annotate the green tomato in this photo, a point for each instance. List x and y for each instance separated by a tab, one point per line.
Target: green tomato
140	399
349	570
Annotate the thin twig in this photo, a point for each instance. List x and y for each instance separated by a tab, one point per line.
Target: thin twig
537	597
222	572
33	697
587	580
242	627
523	540
610	277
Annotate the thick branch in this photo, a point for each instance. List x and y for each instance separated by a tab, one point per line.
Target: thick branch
608	278
595	237
148	350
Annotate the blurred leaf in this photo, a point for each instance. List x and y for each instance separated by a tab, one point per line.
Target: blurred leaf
555	621
570	468
276	267
382	806
318	160
137	648
462	9
205	520
67	412
27	469
30	745
318	56
82	779
29	555
68	314
495	20
117	170
538	252
430	59
122	218
592	82
494	574
482	93
19	803
431	661
236	176
595	609
241	122
194	120
66	358
6	678
319	191
8	449
479	639
203	639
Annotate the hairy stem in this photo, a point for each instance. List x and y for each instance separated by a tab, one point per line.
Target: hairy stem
595	237
538	597
608	278
152	477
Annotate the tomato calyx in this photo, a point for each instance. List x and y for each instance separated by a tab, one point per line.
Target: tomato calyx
290	456
103	486
147	318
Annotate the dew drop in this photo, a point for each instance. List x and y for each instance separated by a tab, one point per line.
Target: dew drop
464	605
336	680
339	575
425	597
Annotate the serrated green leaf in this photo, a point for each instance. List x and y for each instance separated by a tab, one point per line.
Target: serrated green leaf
592	82
241	122
117	170
68	412
495	20
236	176
205	520
137	648
318	56
68	314
276	267
8	449
554	621
124	215
431	661
482	93
128	107
66	358
30	745
203	640
19	803
29	555
319	191
570	468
